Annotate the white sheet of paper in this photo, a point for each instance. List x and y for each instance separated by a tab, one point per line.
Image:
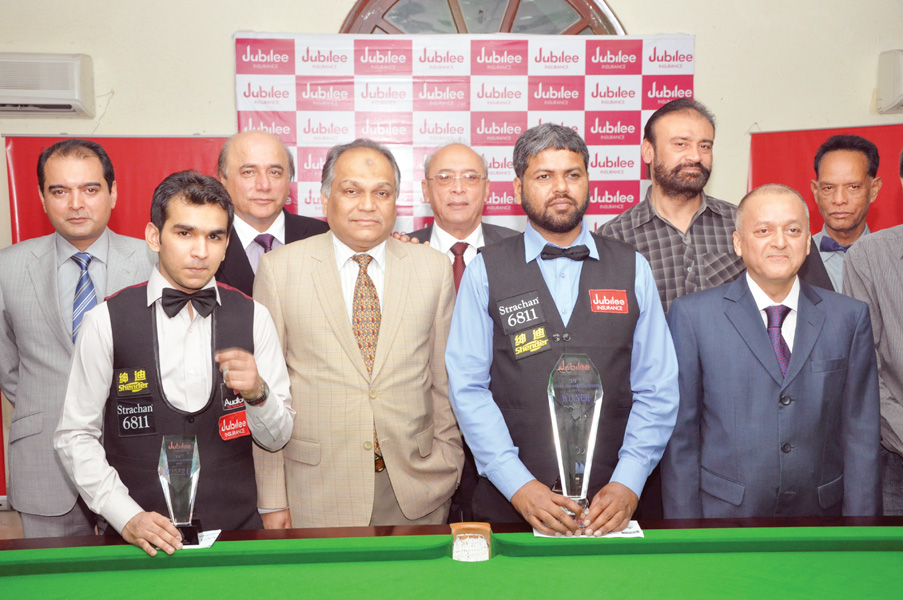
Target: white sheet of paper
631	531
205	539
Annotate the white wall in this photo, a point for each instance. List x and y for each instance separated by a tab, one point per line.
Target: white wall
166	68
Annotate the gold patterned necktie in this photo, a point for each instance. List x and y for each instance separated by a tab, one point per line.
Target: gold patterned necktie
365	318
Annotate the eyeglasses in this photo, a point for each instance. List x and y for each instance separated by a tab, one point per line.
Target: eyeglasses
446	179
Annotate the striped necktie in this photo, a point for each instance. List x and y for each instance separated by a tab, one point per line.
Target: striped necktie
85	296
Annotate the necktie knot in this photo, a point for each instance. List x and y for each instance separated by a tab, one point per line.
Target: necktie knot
174	300
458	248
363	260
776	315
580	252
82	259
829	244
266	241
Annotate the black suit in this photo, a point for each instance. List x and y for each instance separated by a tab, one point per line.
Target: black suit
461	508
491	233
813	270
235	270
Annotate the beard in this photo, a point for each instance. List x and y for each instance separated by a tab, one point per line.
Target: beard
673	183
555	223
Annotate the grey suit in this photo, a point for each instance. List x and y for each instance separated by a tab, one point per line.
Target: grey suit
35	348
750	442
491	233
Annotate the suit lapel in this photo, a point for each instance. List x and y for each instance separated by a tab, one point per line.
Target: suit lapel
809	321
328	288
121	270
236	269
394	288
42	270
744	315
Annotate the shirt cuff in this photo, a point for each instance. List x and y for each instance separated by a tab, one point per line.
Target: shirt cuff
631	473
509	476
119	510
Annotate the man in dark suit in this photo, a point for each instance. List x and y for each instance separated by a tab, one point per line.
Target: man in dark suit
778	385
257	169
456	184
46	286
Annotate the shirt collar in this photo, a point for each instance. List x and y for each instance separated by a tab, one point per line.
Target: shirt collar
157	283
534	242
343	253
792	301
824	232
99	250
246	233
645	211
444	240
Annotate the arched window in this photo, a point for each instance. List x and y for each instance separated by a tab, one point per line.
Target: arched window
566	17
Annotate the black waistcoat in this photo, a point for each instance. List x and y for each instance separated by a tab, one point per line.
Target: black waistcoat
601	328
138	415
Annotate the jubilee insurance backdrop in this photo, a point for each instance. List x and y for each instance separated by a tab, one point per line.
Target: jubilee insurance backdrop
415	93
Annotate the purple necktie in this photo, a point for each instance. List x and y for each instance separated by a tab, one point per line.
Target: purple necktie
266	240
457	250
776	315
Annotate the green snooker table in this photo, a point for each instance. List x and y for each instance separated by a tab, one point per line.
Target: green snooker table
750	562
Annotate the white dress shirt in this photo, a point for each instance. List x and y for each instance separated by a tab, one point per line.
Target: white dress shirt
246	235
68	271
348	270
442	241
186	374
792	301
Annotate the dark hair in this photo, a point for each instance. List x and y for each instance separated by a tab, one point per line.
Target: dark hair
681	104
78	148
224	154
193	188
544	137
336	151
853	143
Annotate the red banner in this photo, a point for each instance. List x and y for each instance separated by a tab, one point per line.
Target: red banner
788	157
140	165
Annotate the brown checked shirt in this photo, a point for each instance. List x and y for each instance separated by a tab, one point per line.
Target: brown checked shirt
682	263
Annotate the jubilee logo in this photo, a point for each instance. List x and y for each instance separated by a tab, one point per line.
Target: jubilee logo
440	58
381	129
663	56
612	93
610	58
436	128
494	93
608	301
262	93
320	92
311	198
498	57
382	58
498	128
608	127
621	57
658	91
500	199
607	198
555	93
379	93
668	93
259	56
495	164
324	129
272	127
611	163
612	127
556	57
320	57
312	163
434	92
234	425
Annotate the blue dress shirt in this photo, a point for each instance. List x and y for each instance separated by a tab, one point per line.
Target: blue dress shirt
468	357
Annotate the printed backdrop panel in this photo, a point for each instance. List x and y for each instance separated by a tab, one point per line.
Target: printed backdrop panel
416	93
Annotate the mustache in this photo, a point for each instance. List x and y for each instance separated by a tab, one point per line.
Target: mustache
705	171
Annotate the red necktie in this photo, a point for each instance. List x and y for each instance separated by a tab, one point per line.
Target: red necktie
458	266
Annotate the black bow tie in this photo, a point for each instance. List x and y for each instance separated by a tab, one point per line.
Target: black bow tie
829	244
580	252
202	300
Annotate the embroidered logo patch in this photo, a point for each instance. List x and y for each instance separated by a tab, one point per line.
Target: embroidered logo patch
608	301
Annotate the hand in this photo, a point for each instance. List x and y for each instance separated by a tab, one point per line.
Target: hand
544	509
611	509
403	237
151	530
240	372
281	519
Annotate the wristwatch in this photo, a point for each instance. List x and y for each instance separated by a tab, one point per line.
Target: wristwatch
264	394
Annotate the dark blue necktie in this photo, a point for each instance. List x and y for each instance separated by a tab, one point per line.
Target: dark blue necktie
829	244
85	296
776	315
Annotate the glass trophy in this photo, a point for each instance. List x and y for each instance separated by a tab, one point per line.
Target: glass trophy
179	470
575	402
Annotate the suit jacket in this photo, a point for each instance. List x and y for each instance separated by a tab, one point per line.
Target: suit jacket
325	473
35	348
813	270
235	270
491	233
750	442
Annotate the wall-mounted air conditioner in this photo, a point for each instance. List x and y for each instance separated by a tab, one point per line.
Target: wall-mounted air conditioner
46	85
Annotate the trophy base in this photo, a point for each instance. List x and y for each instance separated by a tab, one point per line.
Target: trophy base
190	532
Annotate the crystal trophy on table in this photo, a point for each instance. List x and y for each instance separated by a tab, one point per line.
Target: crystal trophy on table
575	402
179	470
